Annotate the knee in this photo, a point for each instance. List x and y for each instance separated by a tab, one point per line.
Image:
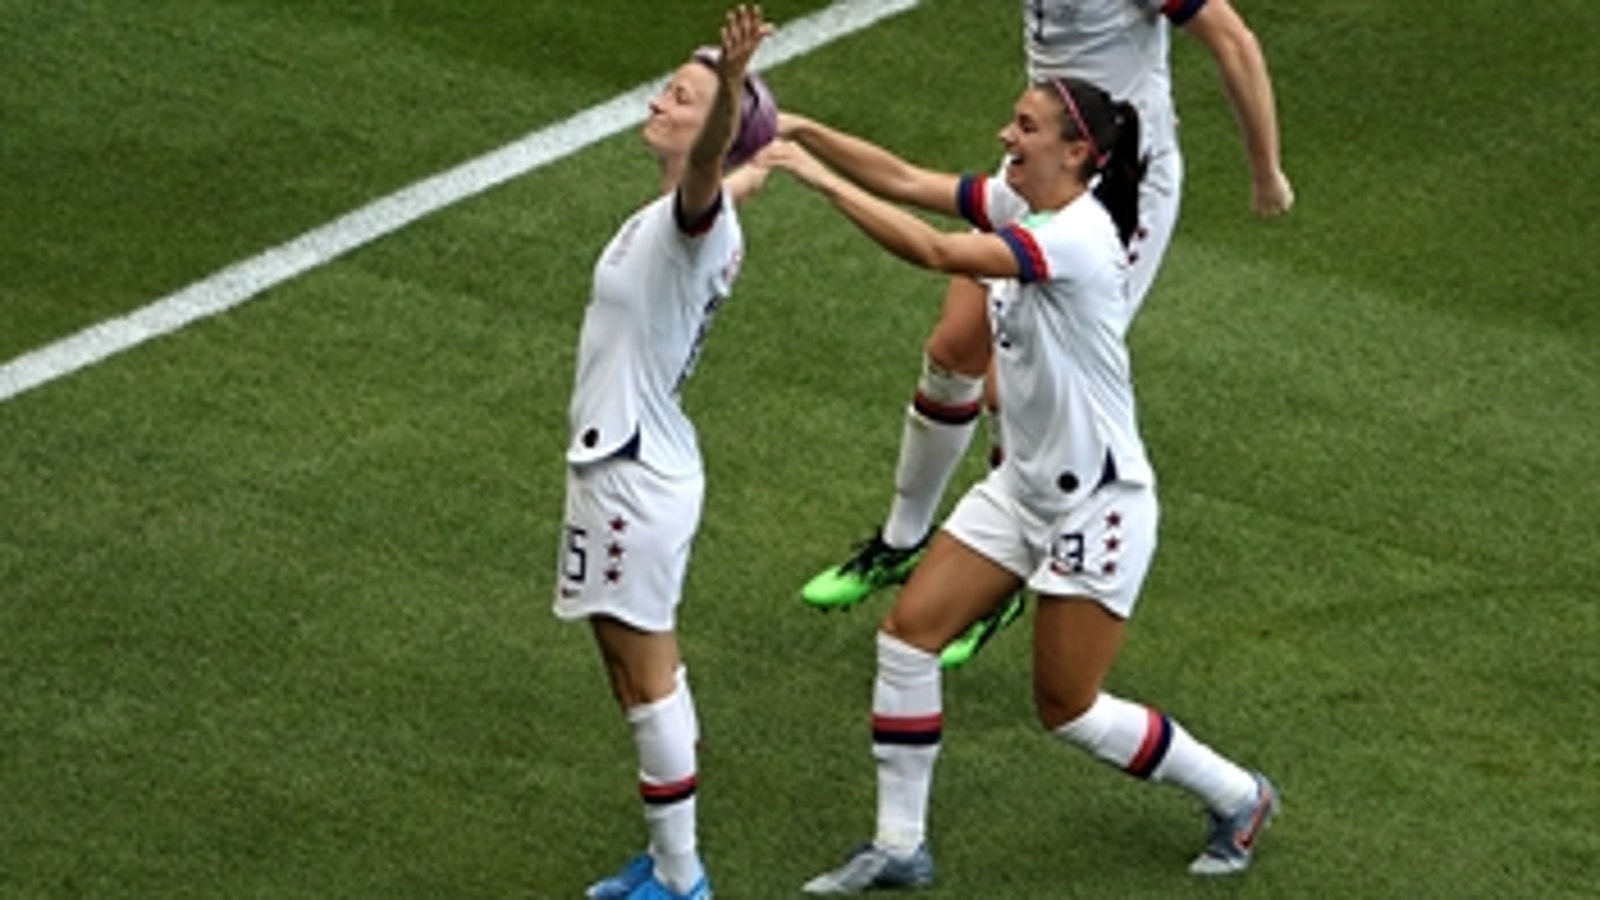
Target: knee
910	631
1057	704
637	683
947	396
963	351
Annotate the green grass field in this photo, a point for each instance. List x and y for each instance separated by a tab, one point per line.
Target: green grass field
275	608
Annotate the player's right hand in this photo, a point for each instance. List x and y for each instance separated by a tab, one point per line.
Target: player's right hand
1273	197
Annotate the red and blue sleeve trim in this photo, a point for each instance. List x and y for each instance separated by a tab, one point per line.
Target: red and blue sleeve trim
908	731
701	224
1179	12
1031	264
972	201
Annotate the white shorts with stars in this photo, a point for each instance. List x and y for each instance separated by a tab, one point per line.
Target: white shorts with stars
1100	550
625	548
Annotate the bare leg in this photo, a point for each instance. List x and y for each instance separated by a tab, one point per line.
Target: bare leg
650	684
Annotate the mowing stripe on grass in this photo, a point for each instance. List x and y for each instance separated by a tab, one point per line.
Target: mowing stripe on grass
244	280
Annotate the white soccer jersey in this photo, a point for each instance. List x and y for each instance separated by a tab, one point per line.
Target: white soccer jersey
1121	47
1118	45
657	287
1060	351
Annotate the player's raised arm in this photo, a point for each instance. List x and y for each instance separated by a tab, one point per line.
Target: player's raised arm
743	29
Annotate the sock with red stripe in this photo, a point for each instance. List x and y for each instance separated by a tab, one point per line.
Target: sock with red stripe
907	726
939	425
1145	743
664	732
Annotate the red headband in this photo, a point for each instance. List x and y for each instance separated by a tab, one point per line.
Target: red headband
1077	119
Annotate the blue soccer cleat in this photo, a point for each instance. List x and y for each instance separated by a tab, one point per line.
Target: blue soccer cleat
1232	842
653	889
870	867
617	887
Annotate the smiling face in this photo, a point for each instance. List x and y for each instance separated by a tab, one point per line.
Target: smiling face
1041	165
678	111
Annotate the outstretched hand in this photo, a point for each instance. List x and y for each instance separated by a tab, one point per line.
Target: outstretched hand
743	30
792	158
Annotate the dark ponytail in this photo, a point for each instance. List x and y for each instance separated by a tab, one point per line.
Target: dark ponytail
1124	168
1112	131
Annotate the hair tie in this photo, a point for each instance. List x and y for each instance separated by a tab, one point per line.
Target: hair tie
1077	119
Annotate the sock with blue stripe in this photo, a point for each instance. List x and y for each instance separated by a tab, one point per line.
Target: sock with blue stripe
907	727
1146	743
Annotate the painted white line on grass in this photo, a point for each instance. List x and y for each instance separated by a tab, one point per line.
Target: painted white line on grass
244	280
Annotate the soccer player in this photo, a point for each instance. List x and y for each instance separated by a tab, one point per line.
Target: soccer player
1122	46
1071	511
634	472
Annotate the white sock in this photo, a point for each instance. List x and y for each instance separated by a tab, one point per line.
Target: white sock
681	676
907	727
1145	743
939	426
664	735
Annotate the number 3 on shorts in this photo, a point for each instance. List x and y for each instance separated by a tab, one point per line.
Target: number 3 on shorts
1066	553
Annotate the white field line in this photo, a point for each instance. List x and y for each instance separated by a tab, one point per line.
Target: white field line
244	280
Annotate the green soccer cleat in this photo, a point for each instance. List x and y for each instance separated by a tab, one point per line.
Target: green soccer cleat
960	651
874	565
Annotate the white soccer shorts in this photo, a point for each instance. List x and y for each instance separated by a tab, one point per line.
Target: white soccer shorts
625	548
1102	549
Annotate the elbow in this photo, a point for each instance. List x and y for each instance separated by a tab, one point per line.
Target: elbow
920	253
1240	51
900	186
937	255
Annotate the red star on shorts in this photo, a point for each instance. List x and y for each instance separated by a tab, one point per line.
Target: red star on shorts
613	575
1112	543
1110	567
1114	520
614	550
619	524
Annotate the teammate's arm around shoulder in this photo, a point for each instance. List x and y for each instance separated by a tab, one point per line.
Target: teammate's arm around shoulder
1243	68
